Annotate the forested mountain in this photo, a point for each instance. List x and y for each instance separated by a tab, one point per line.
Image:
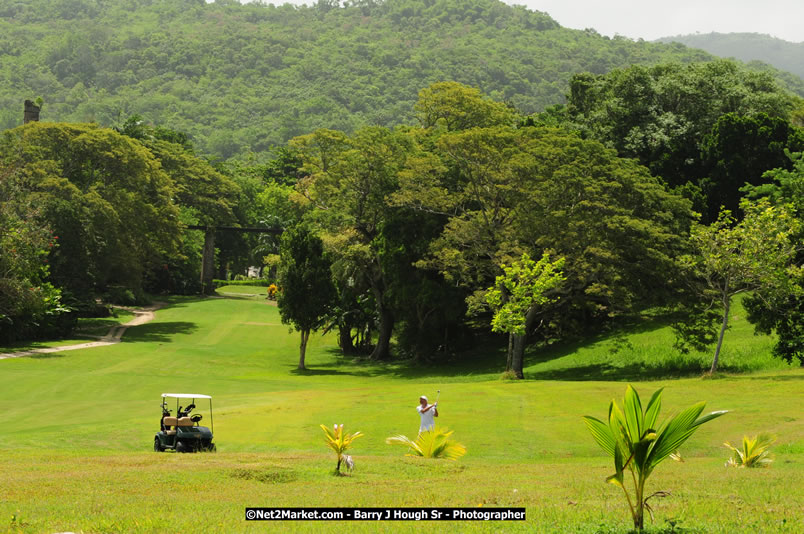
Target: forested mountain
246	77
748	47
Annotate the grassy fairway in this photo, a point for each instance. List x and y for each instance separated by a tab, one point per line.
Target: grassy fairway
78	428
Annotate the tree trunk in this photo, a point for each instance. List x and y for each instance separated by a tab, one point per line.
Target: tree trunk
345	339
305	335
639	519
517	343
509	363
382	350
726	306
208	262
518	355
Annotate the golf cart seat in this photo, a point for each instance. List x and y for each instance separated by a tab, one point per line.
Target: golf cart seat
170	422
185	421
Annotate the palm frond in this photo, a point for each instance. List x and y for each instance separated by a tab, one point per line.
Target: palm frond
399	439
755	452
434	443
338	440
637	444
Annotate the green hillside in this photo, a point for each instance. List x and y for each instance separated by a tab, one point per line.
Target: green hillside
748	47
239	77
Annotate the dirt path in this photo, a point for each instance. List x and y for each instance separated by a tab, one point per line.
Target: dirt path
141	316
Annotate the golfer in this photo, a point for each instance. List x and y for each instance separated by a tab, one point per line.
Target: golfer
427	412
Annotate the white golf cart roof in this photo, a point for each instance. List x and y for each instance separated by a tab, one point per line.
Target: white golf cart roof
185	396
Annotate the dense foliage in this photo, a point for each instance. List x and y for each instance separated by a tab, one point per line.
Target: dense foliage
103	194
30	305
90	212
239	77
402	196
784	313
705	128
419	220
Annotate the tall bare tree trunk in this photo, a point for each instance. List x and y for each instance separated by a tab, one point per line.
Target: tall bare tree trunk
208	262
382	350
305	335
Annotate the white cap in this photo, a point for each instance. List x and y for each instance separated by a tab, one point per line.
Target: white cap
423	397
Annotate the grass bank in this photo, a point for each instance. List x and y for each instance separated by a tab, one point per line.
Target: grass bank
78	428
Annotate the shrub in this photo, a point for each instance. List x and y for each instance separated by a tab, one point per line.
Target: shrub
120	295
510	374
40	315
261	282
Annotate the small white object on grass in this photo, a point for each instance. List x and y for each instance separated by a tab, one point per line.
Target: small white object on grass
350	464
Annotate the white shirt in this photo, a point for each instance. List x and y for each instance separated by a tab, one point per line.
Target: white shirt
428	418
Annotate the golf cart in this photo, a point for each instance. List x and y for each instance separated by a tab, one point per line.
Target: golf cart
181	432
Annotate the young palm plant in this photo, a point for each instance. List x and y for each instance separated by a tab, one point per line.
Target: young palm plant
339	441
754	453
637	444
431	444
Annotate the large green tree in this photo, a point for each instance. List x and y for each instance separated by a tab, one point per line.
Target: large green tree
29	304
783	313
104	194
507	191
455	106
305	285
350	180
754	255
204	196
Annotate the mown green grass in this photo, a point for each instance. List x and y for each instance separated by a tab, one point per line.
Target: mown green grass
245	291
78	428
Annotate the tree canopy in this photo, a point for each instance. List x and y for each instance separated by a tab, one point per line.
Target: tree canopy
681	120
402	237
104	194
306	289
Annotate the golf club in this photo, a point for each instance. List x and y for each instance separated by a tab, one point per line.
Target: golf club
438	394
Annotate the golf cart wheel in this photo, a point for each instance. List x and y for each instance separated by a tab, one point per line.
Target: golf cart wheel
212	448
182	447
158	446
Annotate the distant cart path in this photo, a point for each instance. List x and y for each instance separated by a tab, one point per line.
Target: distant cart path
141	316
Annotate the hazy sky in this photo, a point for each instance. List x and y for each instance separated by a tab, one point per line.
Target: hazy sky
651	19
